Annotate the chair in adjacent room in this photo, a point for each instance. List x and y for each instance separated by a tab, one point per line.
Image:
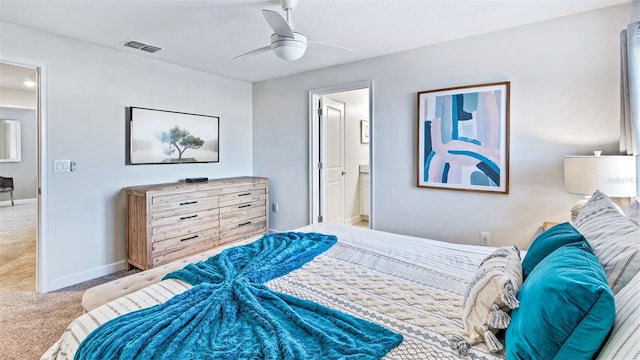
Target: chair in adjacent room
6	185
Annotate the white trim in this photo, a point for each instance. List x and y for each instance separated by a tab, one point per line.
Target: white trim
314	97
354	220
18	201
313	157
42	264
76	278
42	233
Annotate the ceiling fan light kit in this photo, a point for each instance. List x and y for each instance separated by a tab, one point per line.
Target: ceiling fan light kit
289	49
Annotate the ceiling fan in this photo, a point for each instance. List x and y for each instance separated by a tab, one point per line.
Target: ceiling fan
286	42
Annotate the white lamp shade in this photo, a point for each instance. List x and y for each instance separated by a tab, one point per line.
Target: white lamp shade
614	175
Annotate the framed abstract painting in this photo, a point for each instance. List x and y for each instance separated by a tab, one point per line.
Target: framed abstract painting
463	138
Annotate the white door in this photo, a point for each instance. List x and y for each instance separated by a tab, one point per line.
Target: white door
332	205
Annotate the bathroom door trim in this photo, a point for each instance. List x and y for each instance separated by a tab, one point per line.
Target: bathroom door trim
315	131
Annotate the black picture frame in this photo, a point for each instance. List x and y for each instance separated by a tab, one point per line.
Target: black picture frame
171	137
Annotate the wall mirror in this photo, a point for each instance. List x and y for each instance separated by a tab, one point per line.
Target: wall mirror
10	146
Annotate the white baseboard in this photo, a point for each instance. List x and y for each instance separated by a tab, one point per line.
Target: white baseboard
353	220
18	201
82	276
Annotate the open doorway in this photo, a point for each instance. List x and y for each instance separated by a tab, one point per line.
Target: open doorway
340	153
19	163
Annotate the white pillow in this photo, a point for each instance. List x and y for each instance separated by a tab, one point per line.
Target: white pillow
615	239
624	340
490	296
633	211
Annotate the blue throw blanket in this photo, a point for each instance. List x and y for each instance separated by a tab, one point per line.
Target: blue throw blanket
231	314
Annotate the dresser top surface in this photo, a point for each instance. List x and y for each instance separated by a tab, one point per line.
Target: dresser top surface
211	183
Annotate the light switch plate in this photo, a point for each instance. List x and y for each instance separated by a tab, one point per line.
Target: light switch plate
61	165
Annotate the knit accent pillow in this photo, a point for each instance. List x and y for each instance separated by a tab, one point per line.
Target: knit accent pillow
489	298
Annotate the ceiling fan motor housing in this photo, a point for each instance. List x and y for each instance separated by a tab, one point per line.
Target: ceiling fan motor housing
289	4
288	48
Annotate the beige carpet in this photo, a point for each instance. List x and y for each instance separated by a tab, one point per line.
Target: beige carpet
30	323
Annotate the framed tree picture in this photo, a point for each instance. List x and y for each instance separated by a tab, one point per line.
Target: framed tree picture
169	137
463	138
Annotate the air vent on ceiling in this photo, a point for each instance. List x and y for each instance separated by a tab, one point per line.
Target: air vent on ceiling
142	46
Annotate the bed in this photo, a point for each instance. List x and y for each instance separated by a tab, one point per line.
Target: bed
412	286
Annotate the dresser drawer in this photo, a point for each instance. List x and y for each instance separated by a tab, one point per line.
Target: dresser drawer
242	230
242	212
179	225
240	207
241	188
187	218
178	197
175	248
170	205
244	195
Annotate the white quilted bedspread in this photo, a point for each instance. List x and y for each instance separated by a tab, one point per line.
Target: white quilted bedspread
410	285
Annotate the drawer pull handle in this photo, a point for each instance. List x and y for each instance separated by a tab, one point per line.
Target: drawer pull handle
188	217
244	223
189	238
188	203
244	206
245	194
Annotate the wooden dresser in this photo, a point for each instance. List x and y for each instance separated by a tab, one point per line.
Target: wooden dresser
166	222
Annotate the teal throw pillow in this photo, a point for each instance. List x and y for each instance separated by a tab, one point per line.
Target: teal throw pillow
548	242
566	308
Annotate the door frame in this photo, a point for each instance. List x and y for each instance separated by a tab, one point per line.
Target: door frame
314	146
42	229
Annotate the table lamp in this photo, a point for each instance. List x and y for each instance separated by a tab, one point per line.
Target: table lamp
614	175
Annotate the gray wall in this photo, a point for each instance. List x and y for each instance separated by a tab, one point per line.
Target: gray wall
564	78
87	89
24	173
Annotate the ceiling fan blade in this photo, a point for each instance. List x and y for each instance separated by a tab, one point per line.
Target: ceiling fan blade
279	25
331	45
256	51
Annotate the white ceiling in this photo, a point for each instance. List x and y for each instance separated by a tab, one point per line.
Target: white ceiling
207	34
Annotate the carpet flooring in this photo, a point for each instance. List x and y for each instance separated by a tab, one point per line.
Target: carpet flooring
29	322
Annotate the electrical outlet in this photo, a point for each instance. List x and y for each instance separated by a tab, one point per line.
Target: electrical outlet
485	238
275	207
